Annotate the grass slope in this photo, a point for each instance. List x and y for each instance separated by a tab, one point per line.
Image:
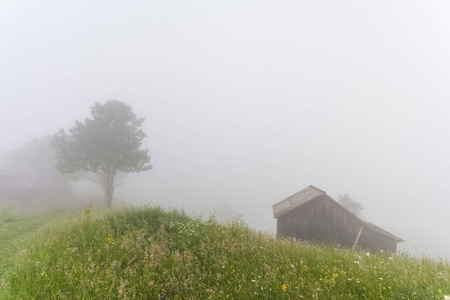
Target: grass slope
15	231
150	253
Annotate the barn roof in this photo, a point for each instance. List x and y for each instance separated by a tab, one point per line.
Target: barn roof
296	200
311	193
381	231
10	184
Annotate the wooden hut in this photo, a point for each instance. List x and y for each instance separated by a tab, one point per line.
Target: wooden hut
18	190
313	215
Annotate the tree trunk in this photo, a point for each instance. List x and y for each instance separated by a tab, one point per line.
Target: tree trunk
109	188
108	198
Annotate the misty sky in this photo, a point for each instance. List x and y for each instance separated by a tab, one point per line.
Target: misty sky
248	102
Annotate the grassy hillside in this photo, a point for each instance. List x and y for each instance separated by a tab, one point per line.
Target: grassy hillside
155	254
15	232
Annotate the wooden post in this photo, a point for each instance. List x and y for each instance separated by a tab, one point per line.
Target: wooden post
357	238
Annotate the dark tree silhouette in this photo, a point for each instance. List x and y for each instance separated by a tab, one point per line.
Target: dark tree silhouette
103	147
352	205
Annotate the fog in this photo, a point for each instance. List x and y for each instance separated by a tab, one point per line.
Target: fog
248	102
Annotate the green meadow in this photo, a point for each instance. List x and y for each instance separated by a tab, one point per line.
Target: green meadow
152	253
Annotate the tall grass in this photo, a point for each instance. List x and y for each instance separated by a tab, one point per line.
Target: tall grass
151	253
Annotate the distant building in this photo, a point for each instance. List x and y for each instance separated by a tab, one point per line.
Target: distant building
313	215
15	189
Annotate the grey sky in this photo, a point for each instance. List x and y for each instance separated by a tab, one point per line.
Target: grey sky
247	102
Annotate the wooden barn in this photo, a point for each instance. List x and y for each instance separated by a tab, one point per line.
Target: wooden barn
17	190
313	215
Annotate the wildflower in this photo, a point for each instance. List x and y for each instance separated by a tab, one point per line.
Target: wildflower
284	287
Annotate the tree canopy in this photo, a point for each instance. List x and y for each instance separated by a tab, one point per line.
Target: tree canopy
351	204
103	147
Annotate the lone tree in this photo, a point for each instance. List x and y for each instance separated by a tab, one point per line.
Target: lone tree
103	147
352	205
